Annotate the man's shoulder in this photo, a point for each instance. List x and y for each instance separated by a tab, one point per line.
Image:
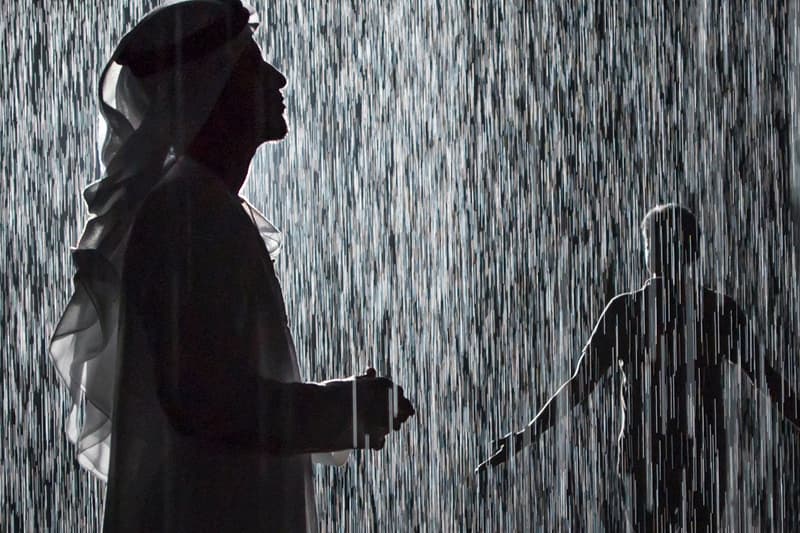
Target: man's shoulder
186	194
623	301
184	210
724	305
621	309
182	184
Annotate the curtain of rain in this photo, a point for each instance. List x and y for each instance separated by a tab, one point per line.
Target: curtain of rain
461	185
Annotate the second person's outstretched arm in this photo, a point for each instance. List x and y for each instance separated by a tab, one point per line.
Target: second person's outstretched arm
597	357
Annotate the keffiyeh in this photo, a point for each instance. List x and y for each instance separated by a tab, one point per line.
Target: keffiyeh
150	111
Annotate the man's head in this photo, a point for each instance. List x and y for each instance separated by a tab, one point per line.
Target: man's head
671	239
248	113
250	107
168	72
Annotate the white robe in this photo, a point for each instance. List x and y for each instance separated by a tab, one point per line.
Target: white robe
203	331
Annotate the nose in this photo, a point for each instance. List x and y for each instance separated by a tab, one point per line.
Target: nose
273	77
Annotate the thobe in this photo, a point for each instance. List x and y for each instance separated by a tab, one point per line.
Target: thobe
209	410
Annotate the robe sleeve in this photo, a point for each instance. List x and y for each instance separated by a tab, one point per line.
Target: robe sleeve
193	276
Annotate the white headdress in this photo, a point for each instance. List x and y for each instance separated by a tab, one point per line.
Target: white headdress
156	92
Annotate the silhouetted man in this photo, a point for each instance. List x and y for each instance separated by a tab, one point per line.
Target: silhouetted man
176	344
669	340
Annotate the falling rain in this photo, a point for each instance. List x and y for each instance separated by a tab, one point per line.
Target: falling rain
460	194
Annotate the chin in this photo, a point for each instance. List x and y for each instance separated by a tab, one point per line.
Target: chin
277	131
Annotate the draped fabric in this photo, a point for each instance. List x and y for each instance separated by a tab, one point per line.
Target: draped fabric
186	393
203	319
150	109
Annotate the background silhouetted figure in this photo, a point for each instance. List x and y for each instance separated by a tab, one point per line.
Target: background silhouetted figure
670	341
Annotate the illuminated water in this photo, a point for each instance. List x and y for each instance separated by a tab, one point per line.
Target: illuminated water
463	181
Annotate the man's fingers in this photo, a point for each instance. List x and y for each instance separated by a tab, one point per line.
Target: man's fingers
369	373
501	442
517	440
499	457
482	467
374	441
403	412
404	407
399	420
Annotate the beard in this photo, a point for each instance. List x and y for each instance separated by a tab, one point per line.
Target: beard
281	129
275	127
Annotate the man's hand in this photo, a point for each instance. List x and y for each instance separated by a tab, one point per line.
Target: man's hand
503	449
380	406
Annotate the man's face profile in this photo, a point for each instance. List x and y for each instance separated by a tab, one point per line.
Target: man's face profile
252	102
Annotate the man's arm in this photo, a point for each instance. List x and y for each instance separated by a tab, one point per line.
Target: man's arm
783	395
746	352
195	275
284	418
595	360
